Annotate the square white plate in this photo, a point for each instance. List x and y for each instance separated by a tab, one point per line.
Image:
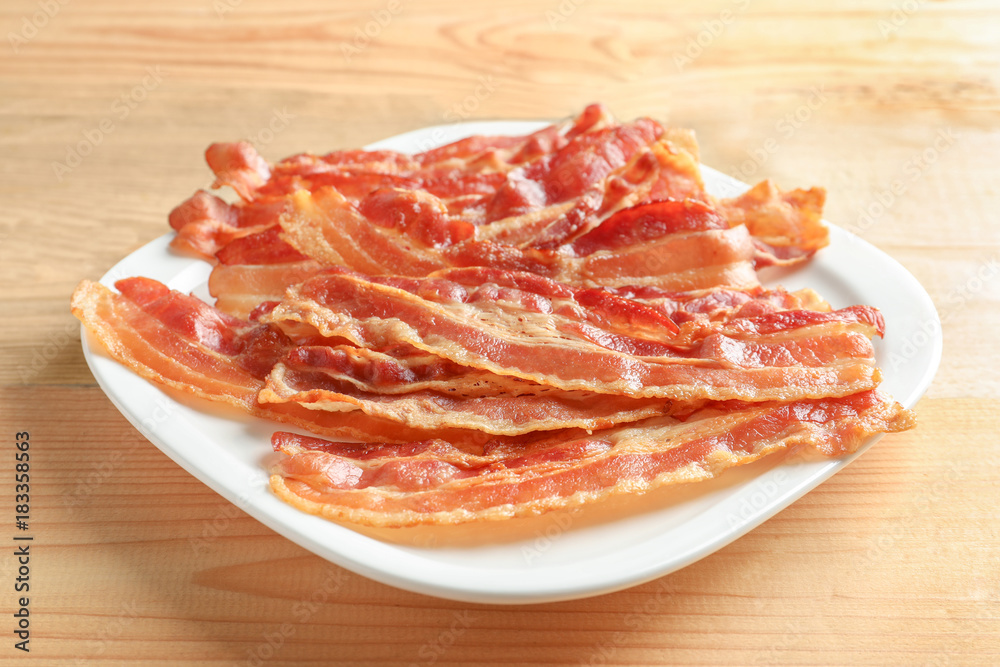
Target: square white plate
559	556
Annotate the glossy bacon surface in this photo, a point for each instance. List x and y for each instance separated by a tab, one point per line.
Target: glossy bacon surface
502	325
325	226
181	343
427	392
431	482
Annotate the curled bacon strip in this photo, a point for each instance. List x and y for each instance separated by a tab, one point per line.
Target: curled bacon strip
502	325
787	226
432	482
422	391
179	342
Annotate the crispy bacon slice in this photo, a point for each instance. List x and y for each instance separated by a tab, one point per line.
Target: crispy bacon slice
416	214
239	289
663	171
471	166
239	166
206	224
787	226
721	304
422	391
648	222
519	150
431	482
523	325
179	342
325	226
254	269
572	170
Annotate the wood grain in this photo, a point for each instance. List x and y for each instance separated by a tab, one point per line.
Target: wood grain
893	561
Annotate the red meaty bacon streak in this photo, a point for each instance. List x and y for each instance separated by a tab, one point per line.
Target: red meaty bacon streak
324	225
179	341
546	336
182	343
423	391
431	482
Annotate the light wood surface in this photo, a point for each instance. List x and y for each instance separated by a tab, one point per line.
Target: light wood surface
896	560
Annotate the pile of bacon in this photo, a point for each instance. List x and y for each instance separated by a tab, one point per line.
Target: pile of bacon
502	326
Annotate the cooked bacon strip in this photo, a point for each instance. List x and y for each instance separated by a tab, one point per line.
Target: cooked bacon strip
325	226
647	222
239	289
434	394
787	226
417	214
722	304
239	166
402	369
471	166
661	172
263	247
254	269
519	325
205	224
179	342
431	482
175	340
328	228
518	150
572	170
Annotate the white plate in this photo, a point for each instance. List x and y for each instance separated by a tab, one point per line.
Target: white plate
558	556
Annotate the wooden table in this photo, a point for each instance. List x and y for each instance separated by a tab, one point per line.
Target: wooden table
105	109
